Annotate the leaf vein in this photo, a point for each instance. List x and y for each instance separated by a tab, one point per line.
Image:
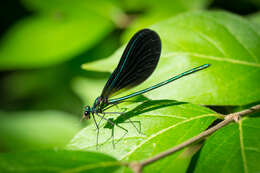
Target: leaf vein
170	116
234	36
234	61
211	41
252	149
164	130
242	147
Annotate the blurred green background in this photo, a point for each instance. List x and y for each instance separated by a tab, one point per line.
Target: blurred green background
43	44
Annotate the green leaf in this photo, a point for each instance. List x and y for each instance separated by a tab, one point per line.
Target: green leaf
140	5
228	42
52	93
57	161
256	3
255	17
105	8
163	123
35	130
161	11
48	39
234	148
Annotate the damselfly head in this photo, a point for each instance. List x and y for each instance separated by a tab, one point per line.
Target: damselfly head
86	114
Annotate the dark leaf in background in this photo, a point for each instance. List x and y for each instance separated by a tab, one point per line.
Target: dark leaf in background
255	17
36	130
52	37
242	7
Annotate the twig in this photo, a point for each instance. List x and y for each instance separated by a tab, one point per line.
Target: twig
138	166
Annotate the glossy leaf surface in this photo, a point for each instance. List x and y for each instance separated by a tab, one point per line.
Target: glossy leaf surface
164	123
234	148
221	39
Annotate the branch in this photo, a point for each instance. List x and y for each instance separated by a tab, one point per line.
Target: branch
138	166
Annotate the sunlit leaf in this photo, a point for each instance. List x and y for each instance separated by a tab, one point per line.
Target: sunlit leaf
163	124
228	42
161	11
234	148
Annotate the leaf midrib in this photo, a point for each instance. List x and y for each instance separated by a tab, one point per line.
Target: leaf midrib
242	147
210	57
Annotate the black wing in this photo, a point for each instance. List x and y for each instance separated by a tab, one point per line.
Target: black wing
137	63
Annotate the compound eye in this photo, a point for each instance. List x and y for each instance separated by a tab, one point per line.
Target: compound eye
87	114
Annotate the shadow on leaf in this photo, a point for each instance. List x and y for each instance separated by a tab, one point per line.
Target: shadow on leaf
146	106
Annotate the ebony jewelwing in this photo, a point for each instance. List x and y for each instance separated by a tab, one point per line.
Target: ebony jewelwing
137	63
